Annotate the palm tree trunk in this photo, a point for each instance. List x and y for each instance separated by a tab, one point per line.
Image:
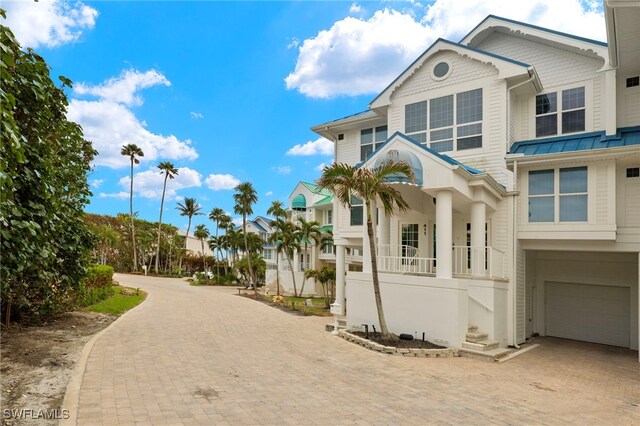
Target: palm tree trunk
217	254
304	269
133	231
186	241
164	188
246	253
374	273
293	276
204	259
277	273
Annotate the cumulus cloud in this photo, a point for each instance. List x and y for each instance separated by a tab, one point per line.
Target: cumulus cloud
283	170
237	221
48	23
320	167
124	88
148	184
197	115
95	183
355	8
120	195
320	146
359	56
218	182
293	43
268	194
109	122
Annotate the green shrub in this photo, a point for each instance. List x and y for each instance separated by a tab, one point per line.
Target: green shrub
98	276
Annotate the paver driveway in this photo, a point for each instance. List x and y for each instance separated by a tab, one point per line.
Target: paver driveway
202	355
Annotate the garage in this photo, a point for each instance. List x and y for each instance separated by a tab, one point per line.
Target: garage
592	313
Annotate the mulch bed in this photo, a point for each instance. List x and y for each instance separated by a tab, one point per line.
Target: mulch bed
397	342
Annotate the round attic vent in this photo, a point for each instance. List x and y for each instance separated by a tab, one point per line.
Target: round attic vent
441	70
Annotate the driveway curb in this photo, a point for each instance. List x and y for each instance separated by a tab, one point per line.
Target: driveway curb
72	394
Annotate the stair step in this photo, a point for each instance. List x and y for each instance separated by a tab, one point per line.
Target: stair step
473	328
476	337
484	345
490	355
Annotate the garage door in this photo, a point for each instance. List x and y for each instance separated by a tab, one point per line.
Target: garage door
593	313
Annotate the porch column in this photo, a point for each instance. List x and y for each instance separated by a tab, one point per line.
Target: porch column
478	220
444	233
384	227
338	307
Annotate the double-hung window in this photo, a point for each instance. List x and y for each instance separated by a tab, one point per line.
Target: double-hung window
329	217
356	211
447	123
558	195
371	139
570	118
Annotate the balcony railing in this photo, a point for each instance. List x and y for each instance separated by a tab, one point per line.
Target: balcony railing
403	259
479	262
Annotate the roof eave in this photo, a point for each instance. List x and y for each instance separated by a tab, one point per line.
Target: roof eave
542	158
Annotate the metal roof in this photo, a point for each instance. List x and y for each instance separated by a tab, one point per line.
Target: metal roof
316	189
626	136
326	200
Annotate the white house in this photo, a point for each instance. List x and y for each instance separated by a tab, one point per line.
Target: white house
194	246
525	216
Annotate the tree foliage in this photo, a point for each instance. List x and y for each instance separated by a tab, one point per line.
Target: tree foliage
44	161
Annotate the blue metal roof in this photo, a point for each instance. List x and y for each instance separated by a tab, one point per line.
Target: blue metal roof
363	114
626	136
512	21
257	225
443	157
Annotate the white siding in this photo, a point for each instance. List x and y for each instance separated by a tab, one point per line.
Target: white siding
602	205
521	295
628	99
348	150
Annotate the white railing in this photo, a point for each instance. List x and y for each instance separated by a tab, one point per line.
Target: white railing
403	259
479	262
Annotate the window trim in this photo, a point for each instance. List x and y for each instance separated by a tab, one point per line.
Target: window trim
557	195
588	109
356	203
375	143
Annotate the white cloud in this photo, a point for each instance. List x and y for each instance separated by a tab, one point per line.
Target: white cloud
293	44
283	170
123	89
320	167
320	146
196	115
148	184
121	195
219	182
48	22
95	183
237	221
268	194
355	8
362	56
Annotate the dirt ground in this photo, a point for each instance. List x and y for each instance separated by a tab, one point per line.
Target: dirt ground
36	363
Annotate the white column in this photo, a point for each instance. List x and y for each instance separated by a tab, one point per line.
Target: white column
384	227
610	102
444	233
478	219
366	251
338	307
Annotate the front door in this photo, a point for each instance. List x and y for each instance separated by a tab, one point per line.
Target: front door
409	240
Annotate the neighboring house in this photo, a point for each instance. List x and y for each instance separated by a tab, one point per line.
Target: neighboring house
194	246
312	203
525	215
262	226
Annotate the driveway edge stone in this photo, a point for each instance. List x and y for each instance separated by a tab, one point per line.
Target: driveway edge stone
72	394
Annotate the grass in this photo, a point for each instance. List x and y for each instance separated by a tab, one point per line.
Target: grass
298	304
118	303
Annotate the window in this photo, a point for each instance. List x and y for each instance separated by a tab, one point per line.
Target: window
409	239
341	136
454	121
570	119
356	211
565	188
633	81
329	217
441	70
371	139
633	172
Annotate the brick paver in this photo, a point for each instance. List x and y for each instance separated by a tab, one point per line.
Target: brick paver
202	355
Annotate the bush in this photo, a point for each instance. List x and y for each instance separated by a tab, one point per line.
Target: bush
96	286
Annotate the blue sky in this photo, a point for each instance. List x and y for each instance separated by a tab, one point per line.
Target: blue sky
227	90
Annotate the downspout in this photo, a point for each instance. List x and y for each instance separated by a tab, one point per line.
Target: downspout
514	218
532	76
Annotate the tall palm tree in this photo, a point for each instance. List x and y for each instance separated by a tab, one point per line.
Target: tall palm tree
132	151
310	232
169	170
288	242
370	185
245	197
233	241
216	214
278	212
202	233
190	208
224	222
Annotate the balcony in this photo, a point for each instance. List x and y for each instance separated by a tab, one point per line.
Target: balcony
468	262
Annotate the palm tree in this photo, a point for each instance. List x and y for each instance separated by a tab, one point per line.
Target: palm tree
132	151
278	212
309	232
370	185
287	240
233	242
169	170
190	208
216	215
224	222
245	197
202	233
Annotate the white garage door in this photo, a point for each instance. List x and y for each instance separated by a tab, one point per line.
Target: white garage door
593	313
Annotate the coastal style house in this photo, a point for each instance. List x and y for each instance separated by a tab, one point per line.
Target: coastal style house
311	203
524	218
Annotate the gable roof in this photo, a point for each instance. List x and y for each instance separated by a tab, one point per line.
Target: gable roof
441	44
326	200
316	189
467	38
627	136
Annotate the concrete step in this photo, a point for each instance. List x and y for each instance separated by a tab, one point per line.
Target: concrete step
476	337
472	328
492	355
484	345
